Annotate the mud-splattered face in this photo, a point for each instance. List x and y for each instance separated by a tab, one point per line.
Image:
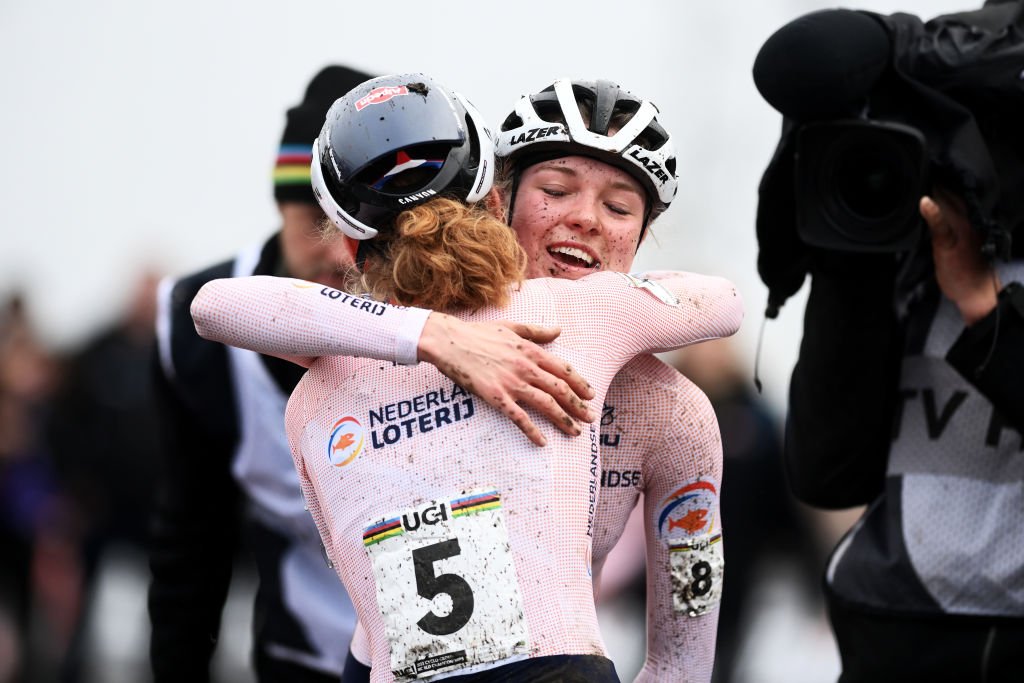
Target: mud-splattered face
576	215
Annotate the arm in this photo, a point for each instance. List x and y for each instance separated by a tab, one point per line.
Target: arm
843	386
990	351
652	312
681	645
300	321
194	534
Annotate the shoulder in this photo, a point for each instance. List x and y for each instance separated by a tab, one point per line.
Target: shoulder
650	382
180	346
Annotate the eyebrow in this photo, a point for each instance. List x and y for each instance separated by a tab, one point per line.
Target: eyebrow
615	184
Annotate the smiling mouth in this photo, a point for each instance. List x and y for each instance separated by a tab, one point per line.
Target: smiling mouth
571	256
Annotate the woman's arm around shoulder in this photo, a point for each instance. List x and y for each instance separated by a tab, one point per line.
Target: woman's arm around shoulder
300	321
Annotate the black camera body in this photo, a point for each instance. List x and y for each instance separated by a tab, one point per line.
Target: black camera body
877	111
858	184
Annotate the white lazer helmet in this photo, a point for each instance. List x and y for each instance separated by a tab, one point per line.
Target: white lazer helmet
549	124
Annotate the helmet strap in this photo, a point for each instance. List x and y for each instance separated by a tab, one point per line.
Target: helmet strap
516	172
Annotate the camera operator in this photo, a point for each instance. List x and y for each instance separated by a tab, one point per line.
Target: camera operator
908	394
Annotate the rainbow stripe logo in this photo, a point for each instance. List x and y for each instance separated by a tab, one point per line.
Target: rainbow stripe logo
678	547
292	167
477	502
382	531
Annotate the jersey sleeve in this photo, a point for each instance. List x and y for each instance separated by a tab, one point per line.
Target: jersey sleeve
360	646
654	312
301	321
684	542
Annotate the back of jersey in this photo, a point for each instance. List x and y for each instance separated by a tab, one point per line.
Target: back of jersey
463	545
461	542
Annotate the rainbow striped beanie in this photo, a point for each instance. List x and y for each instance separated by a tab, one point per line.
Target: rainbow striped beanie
303	124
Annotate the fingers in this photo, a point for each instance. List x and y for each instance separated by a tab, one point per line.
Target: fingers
942	232
521	420
555	391
568	387
541	400
538	334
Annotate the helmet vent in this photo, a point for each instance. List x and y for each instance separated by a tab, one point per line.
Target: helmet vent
513	121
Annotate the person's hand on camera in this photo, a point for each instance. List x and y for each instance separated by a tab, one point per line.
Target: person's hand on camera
501	363
963	274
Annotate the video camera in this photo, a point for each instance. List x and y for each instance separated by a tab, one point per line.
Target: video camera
877	111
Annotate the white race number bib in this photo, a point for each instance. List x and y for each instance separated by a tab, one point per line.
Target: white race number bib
446	585
697	567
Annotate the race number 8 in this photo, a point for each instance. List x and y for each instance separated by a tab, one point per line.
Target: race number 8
429	585
696	566
702	578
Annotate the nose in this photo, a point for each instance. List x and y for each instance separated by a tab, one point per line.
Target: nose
582	214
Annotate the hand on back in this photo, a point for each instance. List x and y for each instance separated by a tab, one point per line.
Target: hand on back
501	362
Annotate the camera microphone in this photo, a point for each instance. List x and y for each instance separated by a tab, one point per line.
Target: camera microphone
823	64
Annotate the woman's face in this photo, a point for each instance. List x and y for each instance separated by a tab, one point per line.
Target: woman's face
576	215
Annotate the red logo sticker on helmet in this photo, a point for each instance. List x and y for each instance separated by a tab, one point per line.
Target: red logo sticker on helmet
382	94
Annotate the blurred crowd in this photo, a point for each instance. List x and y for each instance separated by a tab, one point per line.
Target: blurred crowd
76	481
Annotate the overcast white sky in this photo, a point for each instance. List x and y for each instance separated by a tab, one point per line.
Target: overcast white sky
143	134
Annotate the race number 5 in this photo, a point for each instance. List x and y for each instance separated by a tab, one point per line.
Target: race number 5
446	585
429	585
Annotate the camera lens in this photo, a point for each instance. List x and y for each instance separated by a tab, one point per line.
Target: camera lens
858	183
871	183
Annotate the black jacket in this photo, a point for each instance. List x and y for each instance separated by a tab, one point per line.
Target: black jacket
199	524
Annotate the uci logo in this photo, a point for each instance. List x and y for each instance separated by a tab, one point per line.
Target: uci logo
429	516
346	442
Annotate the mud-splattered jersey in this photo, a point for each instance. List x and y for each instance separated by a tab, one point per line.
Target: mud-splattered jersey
660	438
462	545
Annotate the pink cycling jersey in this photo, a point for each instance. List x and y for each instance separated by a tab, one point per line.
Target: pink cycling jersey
660	437
462	545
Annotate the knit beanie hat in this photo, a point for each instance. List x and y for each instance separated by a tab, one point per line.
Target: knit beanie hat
304	121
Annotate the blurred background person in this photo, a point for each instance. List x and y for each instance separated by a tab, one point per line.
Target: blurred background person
102	434
227	479
38	568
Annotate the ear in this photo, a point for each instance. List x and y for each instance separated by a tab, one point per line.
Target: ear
495	203
351	247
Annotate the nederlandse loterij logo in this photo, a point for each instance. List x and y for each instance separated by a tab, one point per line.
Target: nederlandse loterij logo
346	442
